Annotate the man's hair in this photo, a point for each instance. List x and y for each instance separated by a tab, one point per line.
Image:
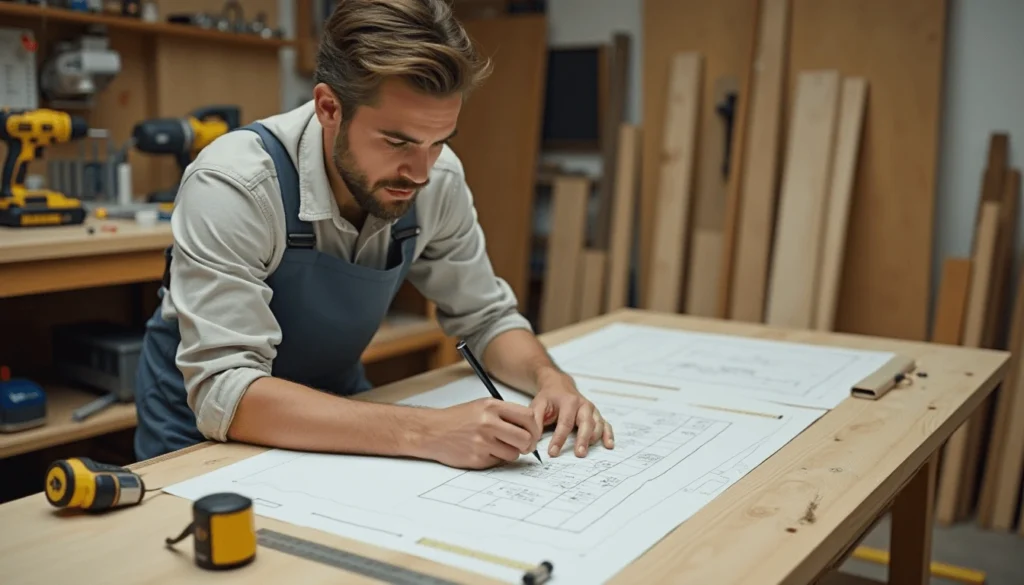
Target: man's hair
366	41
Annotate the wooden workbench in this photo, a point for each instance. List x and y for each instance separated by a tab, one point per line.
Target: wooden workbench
859	461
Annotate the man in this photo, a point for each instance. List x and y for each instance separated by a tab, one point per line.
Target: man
290	240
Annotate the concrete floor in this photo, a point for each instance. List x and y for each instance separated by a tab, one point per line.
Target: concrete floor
999	555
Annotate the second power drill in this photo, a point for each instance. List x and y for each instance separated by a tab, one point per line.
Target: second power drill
26	132
183	137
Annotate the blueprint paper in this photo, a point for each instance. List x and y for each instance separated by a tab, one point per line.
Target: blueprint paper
589	516
708	364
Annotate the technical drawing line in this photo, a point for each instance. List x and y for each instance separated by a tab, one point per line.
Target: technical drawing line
374	528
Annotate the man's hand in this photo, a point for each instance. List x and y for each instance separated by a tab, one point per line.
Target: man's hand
559	400
481	434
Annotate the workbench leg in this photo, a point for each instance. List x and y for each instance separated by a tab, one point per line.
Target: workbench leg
913	515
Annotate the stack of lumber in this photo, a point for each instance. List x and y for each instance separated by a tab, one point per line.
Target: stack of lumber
980	469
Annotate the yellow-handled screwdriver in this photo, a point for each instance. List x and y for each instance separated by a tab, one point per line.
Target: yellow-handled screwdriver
80	482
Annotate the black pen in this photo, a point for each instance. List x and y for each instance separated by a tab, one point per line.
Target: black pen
480	373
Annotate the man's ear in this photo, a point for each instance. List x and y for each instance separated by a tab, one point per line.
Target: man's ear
328	107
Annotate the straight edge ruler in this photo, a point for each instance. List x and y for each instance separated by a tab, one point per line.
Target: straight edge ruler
349	561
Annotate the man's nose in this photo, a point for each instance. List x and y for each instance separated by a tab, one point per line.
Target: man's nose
417	168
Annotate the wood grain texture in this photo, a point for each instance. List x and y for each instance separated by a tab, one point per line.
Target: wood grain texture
560	301
721	32
847	149
912	520
898	48
623	216
499	140
853	461
760	178
796	253
675	186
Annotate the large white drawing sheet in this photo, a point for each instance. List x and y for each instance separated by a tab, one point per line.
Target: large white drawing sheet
589	516
719	365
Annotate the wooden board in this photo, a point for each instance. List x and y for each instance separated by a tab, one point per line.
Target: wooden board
675	186
591	283
951	304
756	219
627	179
614	116
955	452
560	302
844	164
499	140
898	47
796	254
721	32
706	250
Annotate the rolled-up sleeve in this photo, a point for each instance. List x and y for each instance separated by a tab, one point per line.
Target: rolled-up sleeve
455	272
223	247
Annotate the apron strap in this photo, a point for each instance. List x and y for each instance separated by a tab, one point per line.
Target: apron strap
300	233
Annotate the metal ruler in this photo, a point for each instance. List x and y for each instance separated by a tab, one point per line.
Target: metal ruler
348	561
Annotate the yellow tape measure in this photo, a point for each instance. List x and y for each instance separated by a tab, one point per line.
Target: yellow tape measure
224	531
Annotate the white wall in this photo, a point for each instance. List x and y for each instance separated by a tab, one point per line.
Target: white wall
984	93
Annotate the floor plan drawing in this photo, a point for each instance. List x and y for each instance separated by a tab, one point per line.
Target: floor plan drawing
589	515
571	494
710	364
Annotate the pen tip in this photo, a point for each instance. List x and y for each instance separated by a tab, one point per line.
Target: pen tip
537	455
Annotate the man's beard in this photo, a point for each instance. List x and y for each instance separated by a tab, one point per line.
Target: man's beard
358	184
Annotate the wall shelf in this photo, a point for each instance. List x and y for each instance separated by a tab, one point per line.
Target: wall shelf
128	24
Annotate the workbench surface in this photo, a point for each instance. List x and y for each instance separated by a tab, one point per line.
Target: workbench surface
44	243
855	463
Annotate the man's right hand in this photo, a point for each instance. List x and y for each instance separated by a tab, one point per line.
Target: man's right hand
481	434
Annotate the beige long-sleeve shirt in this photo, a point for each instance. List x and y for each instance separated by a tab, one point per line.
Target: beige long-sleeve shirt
229	236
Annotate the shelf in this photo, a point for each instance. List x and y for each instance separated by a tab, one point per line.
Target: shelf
59	429
126	23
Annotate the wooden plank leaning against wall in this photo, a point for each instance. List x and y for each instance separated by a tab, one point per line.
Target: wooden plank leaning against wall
898	49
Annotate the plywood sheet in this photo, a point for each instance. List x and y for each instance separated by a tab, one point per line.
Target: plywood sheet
898	48
721	32
499	140
796	255
675	186
951	304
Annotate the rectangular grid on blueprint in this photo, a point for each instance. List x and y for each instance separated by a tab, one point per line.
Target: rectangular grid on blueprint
570	493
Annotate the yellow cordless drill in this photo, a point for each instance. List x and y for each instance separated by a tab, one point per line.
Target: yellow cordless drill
26	132
183	137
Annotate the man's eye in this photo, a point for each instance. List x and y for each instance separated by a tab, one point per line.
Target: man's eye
394	144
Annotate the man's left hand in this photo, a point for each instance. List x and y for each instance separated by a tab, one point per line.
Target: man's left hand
558	400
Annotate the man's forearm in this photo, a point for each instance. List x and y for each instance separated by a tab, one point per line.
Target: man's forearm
278	413
517	358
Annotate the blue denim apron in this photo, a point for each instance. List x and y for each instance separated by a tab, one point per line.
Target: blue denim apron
328	309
